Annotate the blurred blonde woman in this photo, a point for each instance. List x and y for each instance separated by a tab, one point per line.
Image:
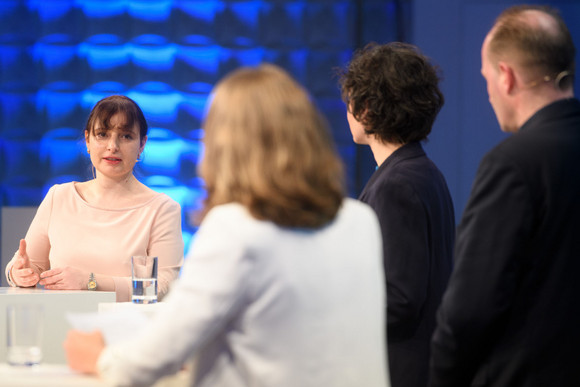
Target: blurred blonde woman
283	284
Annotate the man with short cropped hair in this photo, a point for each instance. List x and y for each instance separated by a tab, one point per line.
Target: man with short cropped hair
510	316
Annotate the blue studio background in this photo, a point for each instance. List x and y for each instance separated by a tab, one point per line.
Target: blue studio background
59	57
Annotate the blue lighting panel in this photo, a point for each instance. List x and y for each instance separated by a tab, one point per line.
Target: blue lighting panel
55	51
194	18
105	51
239	23
189	160
330	25
282	25
63	152
196	63
57	16
320	65
158	100
108	59
59	57
18	22
191	111
99	91
22	192
21	158
106	17
348	155
293	61
201	10
152	52
197	88
51	10
19	113
182	194
232	58
204	58
382	23
62	179
2	161
10	55
17	66
9	8
103	8
162	152
59	103
335	112
151	10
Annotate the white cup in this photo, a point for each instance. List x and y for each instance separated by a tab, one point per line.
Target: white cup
24	325
144	273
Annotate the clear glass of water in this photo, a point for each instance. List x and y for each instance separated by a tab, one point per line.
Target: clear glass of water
24	329
144	272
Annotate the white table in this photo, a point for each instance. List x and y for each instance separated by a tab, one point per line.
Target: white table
149	309
59	375
56	304
53	371
47	375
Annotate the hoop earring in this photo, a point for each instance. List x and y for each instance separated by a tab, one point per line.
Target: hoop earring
93	169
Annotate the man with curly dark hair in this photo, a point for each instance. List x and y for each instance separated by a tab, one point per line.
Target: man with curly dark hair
392	97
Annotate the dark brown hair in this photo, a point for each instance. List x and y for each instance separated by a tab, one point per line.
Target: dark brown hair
107	107
268	148
392	89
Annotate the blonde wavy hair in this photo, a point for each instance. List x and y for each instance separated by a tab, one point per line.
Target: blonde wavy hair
268	148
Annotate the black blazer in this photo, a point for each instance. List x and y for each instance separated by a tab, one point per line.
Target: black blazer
511	314
412	201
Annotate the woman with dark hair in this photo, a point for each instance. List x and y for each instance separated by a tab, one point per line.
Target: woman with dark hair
283	283
84	233
392	96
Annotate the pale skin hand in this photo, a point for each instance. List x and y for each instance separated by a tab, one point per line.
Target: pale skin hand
83	350
22	272
64	278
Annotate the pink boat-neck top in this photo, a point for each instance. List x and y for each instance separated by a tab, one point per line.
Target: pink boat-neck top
68	231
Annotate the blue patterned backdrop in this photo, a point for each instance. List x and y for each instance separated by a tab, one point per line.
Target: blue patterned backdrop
59	57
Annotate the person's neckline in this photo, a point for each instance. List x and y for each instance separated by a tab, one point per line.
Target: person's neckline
80	197
383	150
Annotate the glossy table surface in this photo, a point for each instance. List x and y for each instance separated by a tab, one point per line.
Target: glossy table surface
48	375
53	371
56	304
59	375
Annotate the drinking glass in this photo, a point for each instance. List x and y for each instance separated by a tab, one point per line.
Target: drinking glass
24	323
144	272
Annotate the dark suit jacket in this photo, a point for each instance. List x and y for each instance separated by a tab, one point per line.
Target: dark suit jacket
511	314
411	199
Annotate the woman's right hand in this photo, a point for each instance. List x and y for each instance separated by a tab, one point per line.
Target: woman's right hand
21	272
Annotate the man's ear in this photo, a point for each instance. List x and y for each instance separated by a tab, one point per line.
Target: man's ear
507	77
